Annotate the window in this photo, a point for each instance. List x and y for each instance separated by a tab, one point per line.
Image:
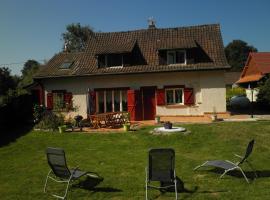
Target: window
176	57
110	60
58	100
66	65
174	96
112	101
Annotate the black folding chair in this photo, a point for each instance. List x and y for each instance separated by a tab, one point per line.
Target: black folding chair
229	166
60	172
161	168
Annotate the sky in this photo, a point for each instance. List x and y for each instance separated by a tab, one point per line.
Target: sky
31	29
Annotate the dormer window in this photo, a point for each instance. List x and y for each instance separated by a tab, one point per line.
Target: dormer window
176	57
66	65
111	60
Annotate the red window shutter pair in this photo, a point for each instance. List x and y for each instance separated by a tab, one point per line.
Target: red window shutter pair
68	100
92	102
134	104
160	97
188	96
49	101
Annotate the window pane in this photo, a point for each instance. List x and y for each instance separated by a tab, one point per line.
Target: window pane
124	100
116	100
114	60
101	61
178	96
101	102
108	101
170	57
58	101
169	96
180	57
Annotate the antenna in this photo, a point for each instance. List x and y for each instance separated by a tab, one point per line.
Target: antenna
151	22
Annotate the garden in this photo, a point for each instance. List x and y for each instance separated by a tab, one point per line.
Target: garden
120	158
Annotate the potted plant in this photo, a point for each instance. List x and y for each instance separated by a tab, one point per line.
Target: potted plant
168	125
157	119
214	115
126	125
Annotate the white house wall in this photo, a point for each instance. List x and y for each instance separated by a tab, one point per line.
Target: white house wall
209	88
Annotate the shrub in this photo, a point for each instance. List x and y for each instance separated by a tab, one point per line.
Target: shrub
230	92
50	121
264	92
38	112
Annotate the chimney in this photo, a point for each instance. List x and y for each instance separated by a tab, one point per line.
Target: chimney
151	23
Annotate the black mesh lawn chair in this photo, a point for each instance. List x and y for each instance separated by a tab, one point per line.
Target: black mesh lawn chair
161	168
229	166
60	172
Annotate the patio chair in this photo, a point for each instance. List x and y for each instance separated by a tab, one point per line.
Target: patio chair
229	166
161	168
60	172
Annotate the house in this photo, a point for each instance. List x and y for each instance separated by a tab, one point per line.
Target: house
257	68
148	72
231	78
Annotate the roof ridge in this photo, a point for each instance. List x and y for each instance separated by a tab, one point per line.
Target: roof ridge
160	29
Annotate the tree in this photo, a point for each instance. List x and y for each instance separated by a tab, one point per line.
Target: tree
29	69
6	81
237	52
7	86
264	92
75	37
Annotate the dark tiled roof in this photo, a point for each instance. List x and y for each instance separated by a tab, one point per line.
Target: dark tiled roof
148	42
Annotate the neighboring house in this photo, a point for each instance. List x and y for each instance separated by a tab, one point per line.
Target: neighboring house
148	72
231	78
256	68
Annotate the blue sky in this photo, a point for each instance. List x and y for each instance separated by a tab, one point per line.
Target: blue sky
31	29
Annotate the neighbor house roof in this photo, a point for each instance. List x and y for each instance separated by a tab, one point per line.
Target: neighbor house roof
148	43
257	66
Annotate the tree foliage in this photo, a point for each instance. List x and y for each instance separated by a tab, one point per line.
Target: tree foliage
237	52
264	92
6	81
29	69
75	37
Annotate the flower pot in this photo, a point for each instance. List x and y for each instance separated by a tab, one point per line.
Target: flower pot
126	127
168	125
157	119
62	129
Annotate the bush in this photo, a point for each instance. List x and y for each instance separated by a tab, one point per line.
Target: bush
230	92
50	121
38	112
263	96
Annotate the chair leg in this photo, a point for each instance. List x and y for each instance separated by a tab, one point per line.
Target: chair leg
175	187
67	189
243	174
45	186
200	166
146	183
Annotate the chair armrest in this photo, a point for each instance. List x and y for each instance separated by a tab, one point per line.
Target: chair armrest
238	156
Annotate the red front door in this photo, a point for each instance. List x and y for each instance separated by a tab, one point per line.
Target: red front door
149	102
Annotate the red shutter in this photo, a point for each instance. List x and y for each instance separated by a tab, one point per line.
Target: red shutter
189	96
160	97
92	96
134	104
49	101
68	100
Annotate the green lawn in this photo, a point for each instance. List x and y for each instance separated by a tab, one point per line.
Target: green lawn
121	158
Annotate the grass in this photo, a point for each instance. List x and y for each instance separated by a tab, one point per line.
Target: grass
121	158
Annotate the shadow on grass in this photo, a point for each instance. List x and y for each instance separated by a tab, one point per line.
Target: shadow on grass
238	174
91	183
10	133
